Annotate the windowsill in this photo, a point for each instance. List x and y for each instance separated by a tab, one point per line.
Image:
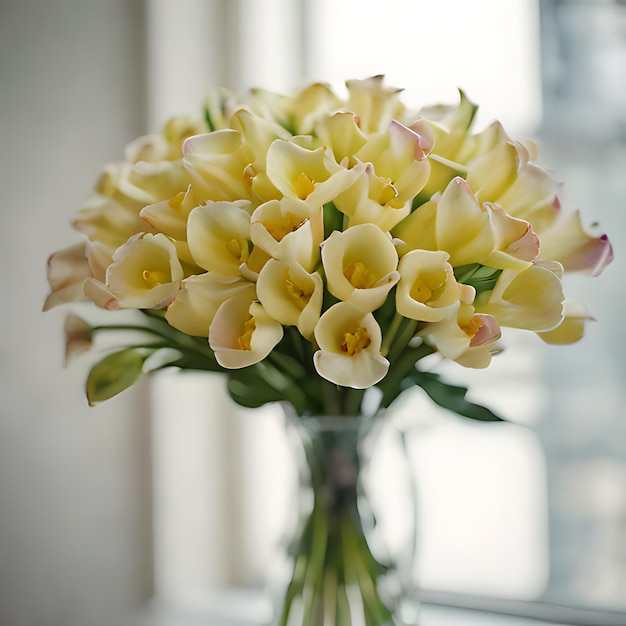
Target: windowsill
241	608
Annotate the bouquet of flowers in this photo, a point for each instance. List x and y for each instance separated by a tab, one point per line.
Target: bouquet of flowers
313	248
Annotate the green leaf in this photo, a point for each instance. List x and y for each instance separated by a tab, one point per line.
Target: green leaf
113	374
452	397
247	389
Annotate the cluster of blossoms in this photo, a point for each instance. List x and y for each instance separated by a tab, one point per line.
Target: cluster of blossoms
340	234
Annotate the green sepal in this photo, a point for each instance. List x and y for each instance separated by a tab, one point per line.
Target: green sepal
114	374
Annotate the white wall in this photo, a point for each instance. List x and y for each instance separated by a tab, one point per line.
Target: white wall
74	530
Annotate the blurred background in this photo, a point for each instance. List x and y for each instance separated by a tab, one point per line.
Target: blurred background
167	491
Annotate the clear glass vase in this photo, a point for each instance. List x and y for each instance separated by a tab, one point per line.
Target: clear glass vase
350	558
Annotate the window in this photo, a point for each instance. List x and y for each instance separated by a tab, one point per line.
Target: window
534	510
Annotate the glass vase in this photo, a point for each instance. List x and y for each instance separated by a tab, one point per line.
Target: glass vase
349	560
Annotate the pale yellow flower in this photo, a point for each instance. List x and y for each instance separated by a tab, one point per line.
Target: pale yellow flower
371	200
349	342
568	242
502	171
145	273
165	145
399	156
297	113
469	231
374	104
360	265
531	298
341	133
105	220
427	290
392	168
291	295
469	338
134	185
258	134
289	230
572	328
451	124
170	216
216	162
242	333
218	234
195	305
306	174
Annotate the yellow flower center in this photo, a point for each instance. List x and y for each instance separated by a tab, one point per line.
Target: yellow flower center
237	248
243	342
359	276
353	343
472	326
298	294
177	201
304	186
427	285
290	224
387	193
154	278
248	175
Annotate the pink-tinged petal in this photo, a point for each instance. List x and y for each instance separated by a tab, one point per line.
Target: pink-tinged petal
426	138
242	333
98	293
66	272
404	139
77	336
488	330
576	250
514	239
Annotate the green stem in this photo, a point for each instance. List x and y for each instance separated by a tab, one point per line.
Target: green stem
390	334
335	573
